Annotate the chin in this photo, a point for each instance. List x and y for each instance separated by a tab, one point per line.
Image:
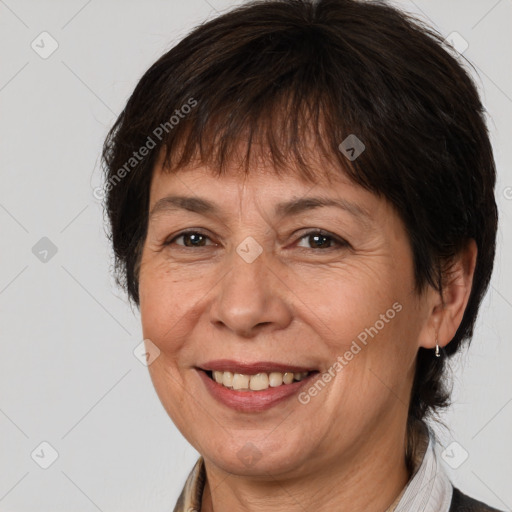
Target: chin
254	457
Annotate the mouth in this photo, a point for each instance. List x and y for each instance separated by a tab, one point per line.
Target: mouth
253	387
256	376
256	382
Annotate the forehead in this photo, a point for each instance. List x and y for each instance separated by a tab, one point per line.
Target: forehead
285	192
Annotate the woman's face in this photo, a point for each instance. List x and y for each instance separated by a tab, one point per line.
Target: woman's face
255	289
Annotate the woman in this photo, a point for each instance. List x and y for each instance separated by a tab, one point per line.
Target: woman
301	202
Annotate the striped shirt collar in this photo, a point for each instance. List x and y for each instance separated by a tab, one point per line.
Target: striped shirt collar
428	490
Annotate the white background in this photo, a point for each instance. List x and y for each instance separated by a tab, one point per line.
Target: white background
68	375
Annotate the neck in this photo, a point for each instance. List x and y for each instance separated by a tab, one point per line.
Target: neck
369	479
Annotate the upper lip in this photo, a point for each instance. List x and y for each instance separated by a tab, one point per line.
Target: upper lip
228	365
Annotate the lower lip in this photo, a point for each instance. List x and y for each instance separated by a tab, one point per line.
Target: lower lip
253	401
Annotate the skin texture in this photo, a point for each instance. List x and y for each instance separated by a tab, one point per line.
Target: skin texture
297	304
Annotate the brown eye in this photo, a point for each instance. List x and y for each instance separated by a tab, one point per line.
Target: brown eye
190	239
321	240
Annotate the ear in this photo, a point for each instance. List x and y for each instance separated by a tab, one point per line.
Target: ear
446	312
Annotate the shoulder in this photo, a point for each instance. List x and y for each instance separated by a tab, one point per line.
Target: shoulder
463	503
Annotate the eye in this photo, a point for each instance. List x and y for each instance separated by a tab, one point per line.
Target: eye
317	239
190	239
320	239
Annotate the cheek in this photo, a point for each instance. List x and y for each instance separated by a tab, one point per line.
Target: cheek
159	309
378	367
341	303
368	322
170	306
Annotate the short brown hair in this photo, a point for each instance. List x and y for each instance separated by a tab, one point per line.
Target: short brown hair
271	71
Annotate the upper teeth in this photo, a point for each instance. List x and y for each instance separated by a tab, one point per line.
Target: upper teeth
258	382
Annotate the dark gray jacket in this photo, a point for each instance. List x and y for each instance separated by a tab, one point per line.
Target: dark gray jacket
463	503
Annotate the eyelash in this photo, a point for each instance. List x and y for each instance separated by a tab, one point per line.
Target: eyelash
319	232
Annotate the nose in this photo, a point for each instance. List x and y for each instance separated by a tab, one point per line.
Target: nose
251	298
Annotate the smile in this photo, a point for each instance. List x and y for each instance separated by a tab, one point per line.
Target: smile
257	382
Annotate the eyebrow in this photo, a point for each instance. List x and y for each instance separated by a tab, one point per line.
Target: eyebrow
282	209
